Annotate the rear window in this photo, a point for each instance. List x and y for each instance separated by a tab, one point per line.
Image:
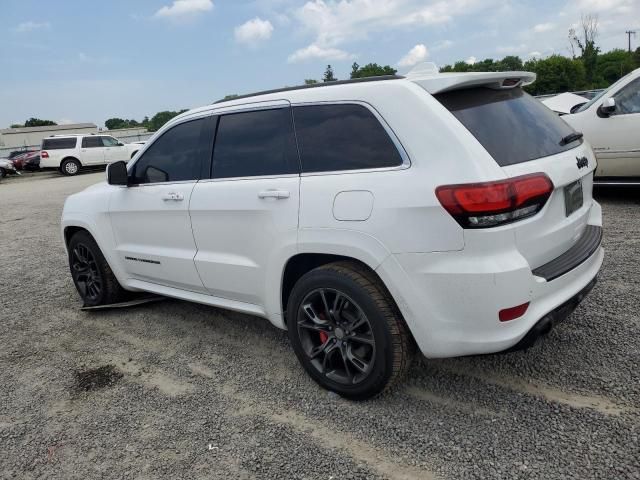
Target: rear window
58	143
510	124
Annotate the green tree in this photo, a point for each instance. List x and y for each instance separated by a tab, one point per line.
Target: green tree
613	65
371	70
36	122
230	96
556	74
310	81
118	123
585	41
16	125
328	75
160	118
509	63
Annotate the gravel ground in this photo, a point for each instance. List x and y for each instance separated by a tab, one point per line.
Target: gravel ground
189	391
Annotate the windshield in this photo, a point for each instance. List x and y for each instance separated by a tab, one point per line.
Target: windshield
601	94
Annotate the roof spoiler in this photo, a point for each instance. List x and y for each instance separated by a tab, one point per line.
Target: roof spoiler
428	77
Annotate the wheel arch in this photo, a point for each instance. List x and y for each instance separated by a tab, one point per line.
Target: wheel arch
301	263
70	157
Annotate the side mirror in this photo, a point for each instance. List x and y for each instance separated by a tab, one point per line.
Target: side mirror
120	144
608	107
117	174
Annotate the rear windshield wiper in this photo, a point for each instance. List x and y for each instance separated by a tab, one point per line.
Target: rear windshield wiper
572	137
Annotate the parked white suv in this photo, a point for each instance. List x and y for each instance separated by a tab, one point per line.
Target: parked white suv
69	153
448	211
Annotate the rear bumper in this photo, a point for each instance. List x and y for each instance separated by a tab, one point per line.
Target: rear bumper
451	300
546	323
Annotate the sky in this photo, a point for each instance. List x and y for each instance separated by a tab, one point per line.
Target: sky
87	61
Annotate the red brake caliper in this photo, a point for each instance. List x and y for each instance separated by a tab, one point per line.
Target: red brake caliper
323	337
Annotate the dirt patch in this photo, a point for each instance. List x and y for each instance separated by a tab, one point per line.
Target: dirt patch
96	378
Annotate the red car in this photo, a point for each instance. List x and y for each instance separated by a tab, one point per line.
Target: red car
29	160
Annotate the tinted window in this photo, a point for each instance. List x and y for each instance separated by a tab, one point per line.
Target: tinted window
176	156
510	124
91	142
342	137
255	143
628	99
59	143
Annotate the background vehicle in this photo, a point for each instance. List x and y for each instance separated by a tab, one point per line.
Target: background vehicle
611	124
7	167
28	160
69	153
448	211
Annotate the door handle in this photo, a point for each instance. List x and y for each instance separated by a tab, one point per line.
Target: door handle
176	197
277	194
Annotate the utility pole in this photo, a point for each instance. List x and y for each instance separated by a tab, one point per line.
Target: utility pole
629	33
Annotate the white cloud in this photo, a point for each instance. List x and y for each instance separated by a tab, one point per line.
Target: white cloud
335	22
511	49
184	8
471	60
417	54
314	51
543	27
253	32
30	26
535	54
442	45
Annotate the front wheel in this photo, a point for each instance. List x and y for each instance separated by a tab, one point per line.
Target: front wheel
92	276
347	332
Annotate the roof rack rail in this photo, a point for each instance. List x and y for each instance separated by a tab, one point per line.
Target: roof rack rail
314	85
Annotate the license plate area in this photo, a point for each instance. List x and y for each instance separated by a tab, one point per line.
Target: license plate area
573	198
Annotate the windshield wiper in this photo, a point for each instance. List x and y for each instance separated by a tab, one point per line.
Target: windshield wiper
572	137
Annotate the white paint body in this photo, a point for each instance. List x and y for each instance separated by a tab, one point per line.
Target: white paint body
616	138
89	156
226	244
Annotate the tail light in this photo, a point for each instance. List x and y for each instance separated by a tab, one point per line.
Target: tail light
482	205
44	154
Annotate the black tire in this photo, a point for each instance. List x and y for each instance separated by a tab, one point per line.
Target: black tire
3	173
377	366
87	263
70	167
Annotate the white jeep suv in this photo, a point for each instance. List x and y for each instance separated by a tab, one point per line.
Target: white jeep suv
69	153
452	212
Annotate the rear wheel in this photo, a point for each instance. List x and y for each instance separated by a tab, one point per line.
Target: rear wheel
347	332
70	166
3	173
92	276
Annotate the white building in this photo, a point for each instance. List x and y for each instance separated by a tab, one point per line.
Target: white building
15	138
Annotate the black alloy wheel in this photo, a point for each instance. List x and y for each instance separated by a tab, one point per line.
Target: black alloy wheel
336	336
346	330
86	274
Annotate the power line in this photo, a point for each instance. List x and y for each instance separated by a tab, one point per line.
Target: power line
629	33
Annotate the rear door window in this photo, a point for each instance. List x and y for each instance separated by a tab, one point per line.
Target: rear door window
510	124
342	137
255	143
59	143
91	142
